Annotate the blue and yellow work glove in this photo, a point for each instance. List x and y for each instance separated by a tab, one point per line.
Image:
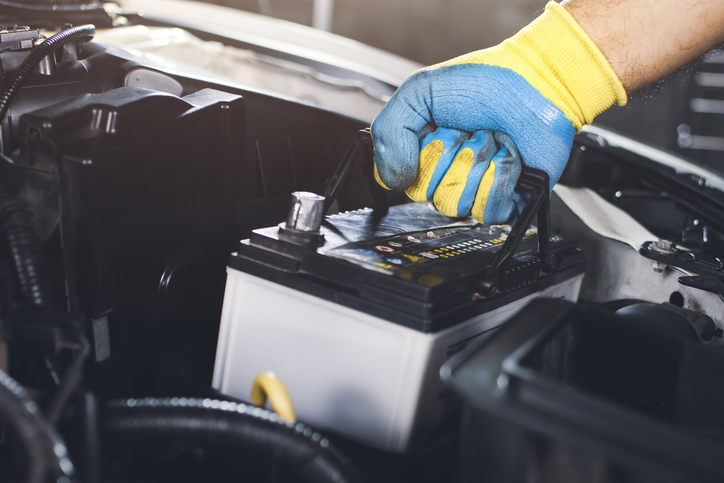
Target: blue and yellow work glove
455	133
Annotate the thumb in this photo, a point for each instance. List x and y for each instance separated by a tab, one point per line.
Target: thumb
396	133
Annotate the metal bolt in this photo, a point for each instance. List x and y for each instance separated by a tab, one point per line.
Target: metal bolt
664	246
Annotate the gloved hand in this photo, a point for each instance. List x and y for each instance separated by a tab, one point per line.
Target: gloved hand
534	92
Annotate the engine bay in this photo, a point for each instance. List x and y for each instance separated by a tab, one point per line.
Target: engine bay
145	281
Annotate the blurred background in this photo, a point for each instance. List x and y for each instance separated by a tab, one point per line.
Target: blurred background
686	116
427	31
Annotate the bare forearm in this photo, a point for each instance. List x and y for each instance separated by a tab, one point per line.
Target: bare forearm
646	40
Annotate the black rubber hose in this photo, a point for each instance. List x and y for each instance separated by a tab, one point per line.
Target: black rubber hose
256	432
46	452
33	60
26	251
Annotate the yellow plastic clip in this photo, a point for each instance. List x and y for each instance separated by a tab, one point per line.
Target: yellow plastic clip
268	386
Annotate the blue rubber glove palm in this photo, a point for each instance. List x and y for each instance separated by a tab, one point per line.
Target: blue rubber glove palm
534	91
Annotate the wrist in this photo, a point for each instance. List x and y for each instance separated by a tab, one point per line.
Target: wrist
556	56
569	67
646	40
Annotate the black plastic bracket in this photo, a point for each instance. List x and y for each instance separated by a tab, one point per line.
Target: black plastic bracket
536	183
361	145
362	142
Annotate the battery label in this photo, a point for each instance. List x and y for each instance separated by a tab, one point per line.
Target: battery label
424	256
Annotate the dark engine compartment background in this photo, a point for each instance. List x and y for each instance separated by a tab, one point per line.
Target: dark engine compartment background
139	197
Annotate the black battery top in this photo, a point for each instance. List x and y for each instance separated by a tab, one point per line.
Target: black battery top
412	266
423	246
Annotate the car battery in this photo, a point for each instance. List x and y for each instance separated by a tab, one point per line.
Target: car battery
358	319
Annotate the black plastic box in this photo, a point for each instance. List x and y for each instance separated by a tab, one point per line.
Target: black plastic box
570	393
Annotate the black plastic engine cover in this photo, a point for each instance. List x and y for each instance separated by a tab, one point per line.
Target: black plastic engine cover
149	196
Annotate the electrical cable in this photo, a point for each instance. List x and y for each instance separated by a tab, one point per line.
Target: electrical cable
256	432
26	251
46	451
33	59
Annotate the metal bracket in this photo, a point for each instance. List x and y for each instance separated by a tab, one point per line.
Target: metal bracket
668	254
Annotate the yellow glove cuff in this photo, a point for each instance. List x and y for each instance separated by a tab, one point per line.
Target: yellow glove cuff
556	56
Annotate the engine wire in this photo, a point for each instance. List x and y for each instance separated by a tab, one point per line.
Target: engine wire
33	59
